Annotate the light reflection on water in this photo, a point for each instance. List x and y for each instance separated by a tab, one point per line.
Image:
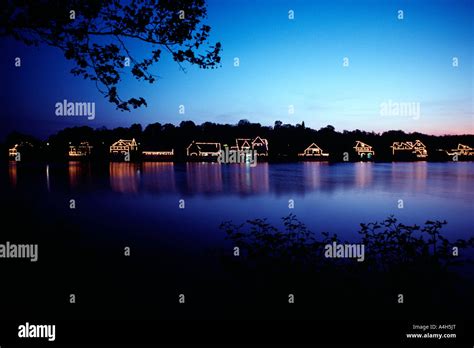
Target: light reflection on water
124	177
212	178
333	197
12	173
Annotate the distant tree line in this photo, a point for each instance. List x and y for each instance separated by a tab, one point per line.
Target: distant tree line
285	140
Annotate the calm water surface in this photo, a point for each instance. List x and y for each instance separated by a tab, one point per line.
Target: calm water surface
135	200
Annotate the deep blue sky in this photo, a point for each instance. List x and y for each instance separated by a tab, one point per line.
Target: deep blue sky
282	62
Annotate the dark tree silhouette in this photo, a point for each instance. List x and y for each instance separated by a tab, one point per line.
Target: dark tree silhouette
285	140
243	123
98	36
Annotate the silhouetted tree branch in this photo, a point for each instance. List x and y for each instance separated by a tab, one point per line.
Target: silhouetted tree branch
99	35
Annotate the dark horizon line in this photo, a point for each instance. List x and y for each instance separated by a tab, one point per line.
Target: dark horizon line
270	127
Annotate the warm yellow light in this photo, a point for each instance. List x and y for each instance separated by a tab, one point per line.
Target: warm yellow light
462	150
363	149
158	153
417	148
124	146
313	150
202	149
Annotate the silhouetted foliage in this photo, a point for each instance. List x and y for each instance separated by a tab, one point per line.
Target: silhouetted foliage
399	259
389	245
98	36
285	140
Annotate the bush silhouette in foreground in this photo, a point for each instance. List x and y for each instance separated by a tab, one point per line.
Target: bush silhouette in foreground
389	244
413	260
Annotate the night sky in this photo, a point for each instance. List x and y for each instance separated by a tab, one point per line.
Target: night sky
282	62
